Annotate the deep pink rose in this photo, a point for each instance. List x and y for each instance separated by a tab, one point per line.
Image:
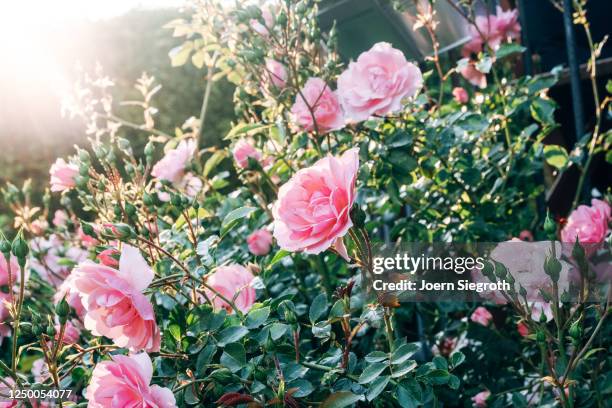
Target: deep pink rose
63	175
172	166
276	74
480	399
124	381
522	328
318	100
114	303
507	24
377	82
312	210
259	242
109	257
473	75
460	95
242	151
481	316
232	282
588	224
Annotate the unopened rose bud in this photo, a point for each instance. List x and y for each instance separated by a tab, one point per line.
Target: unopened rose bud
500	270
88	229
20	248
550	227
552	267
540	336
575	330
62	310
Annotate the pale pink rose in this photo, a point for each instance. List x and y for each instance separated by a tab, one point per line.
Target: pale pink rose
507	24
172	166
40	370
191	184
4	270
540	310
242	151
320	102
460	95
377	82
65	291
588	224
59	218
86	240
276	73
63	175
473	75
480	399
109	257
232	282
49	260
258	27
312	210
114	303
38	226
71	333
522	328
5	402
124	381
481	316
5	325
260	242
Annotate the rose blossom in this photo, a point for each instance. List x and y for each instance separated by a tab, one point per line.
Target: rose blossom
259	242
262	29
59	218
242	151
40	370
276	73
124	381
71	333
65	291
377	82
63	175
460	95
232	282
481	316
480	399
172	166
473	75
114	303
109	257
316	96
4	270
588	224
522	328
5	326
507	24
312	210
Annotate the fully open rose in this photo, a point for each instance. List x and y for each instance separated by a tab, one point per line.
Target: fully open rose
312	211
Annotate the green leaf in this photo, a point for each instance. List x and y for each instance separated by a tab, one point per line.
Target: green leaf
543	111
454	382
277	330
233	357
404	352
556	156
179	55
257	317
409	393
204	358
341	399
376	356
234	216
508	49
378	386
609	86
318	307
231	335
457	358
213	161
175	331
371	372
304	388
198	58
437	377
245	129
404	368
440	362
278	256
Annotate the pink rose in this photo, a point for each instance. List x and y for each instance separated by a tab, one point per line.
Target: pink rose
5	325
124	381
588	224
172	166
71	333
109	257
460	95
262	29
86	240
38	226
276	73
507	24
526	235
114	303
480	399
40	370
481	316
312	210
59	218
72	296
522	328
242	151
63	175
49	258
232	282
259	242
473	75
191	184
318	100
377	82
4	270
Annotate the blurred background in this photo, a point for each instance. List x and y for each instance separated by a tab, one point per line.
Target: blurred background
42	42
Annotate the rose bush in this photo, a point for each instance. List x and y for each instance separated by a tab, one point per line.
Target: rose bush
158	283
